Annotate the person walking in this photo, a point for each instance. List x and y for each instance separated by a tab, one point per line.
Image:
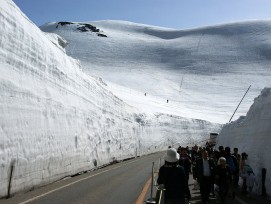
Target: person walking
204	171
172	178
221	152
231	161
243	171
223	178
238	158
185	162
251	180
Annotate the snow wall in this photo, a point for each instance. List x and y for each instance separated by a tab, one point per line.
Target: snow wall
56	121
252	134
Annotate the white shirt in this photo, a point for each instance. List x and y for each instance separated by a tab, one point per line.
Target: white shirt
250	179
206	168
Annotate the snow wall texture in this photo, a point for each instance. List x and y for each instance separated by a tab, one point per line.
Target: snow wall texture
251	134
56	121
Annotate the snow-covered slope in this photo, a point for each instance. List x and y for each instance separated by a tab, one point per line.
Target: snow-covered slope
56	120
203	72
251	134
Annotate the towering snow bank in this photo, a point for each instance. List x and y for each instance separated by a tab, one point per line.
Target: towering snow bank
251	134
55	120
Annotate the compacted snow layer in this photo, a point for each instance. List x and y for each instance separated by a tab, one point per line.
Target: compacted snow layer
203	72
56	120
251	134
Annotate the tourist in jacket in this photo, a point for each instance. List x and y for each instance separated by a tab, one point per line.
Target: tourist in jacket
172	178
204	172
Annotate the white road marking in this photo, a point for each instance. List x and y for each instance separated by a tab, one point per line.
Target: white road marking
57	189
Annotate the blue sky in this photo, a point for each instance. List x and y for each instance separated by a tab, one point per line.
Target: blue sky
180	14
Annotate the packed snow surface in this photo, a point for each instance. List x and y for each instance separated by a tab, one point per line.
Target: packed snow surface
56	120
83	94
252	135
203	73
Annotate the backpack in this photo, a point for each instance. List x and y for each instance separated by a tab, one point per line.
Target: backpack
231	164
248	169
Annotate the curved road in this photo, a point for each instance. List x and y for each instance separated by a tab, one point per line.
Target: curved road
121	183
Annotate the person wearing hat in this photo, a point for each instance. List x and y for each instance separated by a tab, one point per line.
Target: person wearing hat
172	178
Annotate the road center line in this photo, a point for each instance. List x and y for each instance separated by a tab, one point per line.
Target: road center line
142	195
57	189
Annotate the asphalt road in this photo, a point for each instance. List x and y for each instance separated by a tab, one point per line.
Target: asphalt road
121	183
127	182
239	199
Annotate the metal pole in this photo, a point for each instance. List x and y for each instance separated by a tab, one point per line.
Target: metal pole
263	182
240	103
151	201
10	176
160	196
152	180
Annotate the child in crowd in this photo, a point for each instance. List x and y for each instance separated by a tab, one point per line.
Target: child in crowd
250	181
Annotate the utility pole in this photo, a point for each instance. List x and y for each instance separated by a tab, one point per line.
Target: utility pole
240	103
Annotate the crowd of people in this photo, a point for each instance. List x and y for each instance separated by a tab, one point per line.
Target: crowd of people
216	172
